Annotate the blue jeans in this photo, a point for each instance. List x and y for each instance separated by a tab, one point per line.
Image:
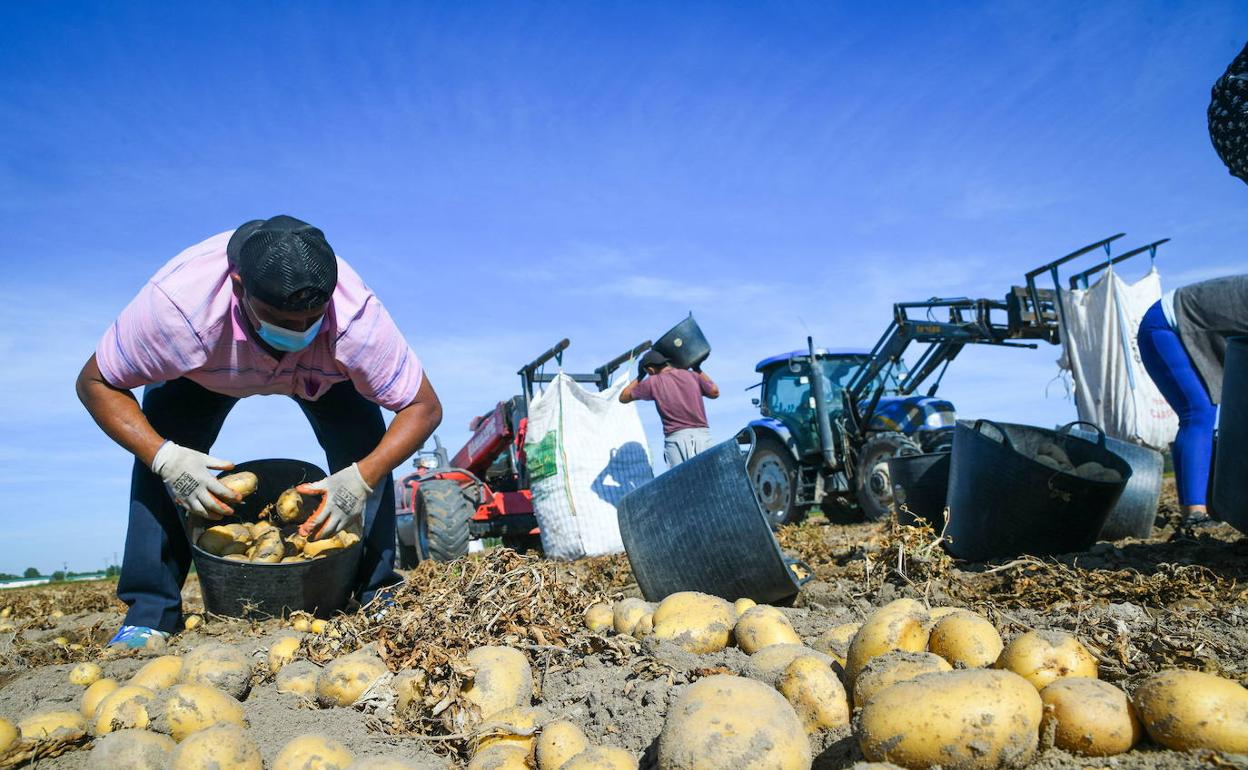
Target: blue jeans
1167	362
158	555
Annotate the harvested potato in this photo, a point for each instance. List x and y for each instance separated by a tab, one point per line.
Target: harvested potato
966	640
835	641
289	507
242	483
224	747
602	758
382	763
124	707
626	613
695	622
936	614
517	725
133	750
316	548
234	557
893	667
560	741
301	622
158	673
502	756
768	664
409	689
502	678
345	679
92	696
961	720
1089	717
193	707
282	652
313	752
299	678
347	538
85	674
898	625
8	735
599	617
1185	710
816	694
225	540
726	721
192	622
52	725
1041	657
268	548
220	666
743	604
645	626
762	626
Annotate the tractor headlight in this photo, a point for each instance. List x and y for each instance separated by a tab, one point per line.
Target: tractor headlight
428	463
940	420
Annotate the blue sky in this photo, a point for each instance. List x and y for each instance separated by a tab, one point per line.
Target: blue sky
507	174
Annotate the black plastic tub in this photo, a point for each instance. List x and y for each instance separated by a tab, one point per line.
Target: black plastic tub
920	488
1136	510
684	345
1004	503
1230	475
242	589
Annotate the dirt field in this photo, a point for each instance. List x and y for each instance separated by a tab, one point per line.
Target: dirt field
1138	605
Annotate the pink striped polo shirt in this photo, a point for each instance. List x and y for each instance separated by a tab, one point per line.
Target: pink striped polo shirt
187	322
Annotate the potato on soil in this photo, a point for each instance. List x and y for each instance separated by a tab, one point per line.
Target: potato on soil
835	641
381	763
816	694
225	540
289	507
126	706
502	679
409	689
645	626
762	626
92	696
133	750
85	674
190	708
560	741
192	622
898	625
282	652
626	613
517	725
53	725
599	617
345	679
975	719
602	758
158	673
1089	717
220	666
299	678
966	640
8	735
313	752
1185	710
768	664
1042	657
743	604
726	721
224	747
893	667
695	622
502	756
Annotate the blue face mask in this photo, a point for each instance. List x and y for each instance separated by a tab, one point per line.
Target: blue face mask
286	340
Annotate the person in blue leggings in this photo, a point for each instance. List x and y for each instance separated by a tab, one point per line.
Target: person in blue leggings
1183	346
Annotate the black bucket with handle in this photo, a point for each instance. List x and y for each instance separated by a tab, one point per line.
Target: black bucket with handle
1136	510
684	345
1004	502
320	586
920	488
1230	468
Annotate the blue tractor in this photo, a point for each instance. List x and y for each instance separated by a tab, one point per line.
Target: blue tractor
831	418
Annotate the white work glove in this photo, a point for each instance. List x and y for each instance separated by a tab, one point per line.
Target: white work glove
342	503
192	481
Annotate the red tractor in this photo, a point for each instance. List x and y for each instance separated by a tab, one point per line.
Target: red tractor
483	491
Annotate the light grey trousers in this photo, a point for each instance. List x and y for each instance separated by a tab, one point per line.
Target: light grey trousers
683	444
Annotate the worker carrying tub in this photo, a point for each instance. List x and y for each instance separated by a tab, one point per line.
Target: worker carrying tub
264	309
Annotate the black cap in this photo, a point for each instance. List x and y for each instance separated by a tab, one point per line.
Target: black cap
284	262
1228	116
653	358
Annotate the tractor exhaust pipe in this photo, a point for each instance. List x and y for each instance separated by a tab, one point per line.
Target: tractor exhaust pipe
821	407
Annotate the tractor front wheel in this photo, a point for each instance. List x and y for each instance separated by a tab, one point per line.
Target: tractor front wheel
873	485
773	474
442	515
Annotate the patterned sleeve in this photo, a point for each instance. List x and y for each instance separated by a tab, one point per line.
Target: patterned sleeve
373	353
151	341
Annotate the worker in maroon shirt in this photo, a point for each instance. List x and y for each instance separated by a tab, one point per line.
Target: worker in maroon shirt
677	394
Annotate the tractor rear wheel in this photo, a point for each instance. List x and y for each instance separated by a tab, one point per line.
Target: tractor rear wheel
872	485
442	515
773	474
